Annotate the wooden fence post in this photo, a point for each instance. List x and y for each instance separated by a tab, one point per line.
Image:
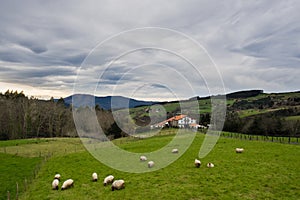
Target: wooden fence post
8	195
17	195
25	184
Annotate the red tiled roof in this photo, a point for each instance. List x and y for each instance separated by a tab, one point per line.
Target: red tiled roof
176	118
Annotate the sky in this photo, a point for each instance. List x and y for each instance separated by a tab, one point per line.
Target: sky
149	50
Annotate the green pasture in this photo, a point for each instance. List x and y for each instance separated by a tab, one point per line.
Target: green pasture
265	170
251	112
292	118
41	147
15	172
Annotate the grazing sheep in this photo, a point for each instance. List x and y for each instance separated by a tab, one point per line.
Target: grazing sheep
150	164
197	163
210	165
95	177
55	183
239	150
174	150
143	158
67	184
109	179
117	185
57	176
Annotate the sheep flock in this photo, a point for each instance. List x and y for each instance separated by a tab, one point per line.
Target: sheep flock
120	183
116	185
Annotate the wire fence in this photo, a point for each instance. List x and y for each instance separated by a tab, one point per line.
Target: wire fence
279	139
23	186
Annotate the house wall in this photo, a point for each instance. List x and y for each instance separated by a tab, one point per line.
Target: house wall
184	122
181	123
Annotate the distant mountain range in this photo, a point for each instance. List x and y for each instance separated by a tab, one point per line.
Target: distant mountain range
107	103
119	102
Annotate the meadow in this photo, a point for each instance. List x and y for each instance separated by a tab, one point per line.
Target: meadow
265	170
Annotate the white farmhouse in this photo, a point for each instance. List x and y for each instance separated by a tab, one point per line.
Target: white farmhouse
185	121
180	121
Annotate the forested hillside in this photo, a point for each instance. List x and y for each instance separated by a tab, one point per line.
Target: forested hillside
23	117
265	114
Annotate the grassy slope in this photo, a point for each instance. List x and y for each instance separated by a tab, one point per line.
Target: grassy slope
15	169
264	171
41	147
251	112
205	105
282	96
293	118
19	159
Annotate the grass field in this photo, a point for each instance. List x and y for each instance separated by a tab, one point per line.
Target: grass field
265	170
15	169
41	147
251	112
203	106
293	118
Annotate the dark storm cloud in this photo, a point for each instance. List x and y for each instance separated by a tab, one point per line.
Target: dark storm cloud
254	43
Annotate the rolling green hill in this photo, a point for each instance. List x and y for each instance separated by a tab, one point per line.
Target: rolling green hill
249	112
264	171
246	103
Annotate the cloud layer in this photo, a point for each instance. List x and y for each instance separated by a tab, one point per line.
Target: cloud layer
255	44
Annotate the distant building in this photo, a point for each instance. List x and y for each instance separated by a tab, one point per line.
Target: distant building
178	121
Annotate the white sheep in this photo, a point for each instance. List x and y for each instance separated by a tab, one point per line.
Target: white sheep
57	176
174	150
210	165
117	185
67	184
239	150
109	179
197	163
143	158
150	164
95	177
55	183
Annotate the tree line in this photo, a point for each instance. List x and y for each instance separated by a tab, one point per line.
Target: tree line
272	123
23	117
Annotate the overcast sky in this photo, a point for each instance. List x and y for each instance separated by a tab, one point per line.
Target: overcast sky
242	44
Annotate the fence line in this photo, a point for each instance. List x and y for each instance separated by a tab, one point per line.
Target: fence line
279	139
28	182
39	153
